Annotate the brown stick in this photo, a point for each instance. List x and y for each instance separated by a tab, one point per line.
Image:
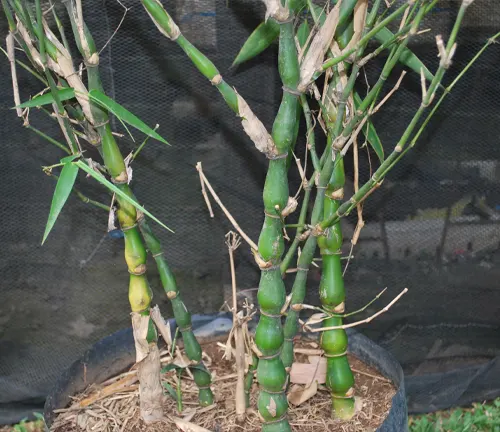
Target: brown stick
12	60
232	242
204	192
252	244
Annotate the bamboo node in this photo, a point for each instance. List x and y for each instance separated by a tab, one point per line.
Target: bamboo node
270	357
302	269
275	10
171	295
93	60
263	265
337	194
335	355
291	91
339	308
304	235
216	80
398	149
272	215
139	270
121	178
273	156
339	142
317	230
283	417
269	314
128	228
297	307
290	207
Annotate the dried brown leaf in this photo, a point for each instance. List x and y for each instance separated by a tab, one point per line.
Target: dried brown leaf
298	394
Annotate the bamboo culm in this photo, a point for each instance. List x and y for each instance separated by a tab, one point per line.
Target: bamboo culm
269	336
140	293
182	316
339	377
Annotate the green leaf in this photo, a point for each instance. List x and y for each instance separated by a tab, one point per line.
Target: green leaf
303	33
171	391
63	189
123	114
65	93
170	367
101	179
370	132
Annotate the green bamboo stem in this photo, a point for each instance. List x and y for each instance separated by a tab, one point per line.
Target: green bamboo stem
269	336
113	157
169	28
339	377
182	316
140	293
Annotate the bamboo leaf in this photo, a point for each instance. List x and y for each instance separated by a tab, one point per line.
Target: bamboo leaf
171	391
370	132
63	189
101	179
170	367
124	115
64	94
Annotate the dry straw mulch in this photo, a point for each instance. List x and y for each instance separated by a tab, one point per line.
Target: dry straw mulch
119	412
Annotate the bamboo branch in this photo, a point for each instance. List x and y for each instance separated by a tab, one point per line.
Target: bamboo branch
358	323
231	219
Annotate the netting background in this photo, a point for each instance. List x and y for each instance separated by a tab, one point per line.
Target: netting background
433	226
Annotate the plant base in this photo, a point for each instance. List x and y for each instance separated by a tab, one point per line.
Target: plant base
342	408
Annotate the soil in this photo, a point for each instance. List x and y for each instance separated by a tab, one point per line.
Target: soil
119	412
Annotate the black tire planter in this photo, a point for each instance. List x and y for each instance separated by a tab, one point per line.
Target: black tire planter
116	354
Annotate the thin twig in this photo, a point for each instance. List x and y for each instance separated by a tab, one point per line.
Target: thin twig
251	243
233	241
117	28
357	323
204	193
386	98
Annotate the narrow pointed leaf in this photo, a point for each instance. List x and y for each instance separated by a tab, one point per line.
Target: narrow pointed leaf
303	33
370	132
64	93
124	115
113	188
63	189
263	36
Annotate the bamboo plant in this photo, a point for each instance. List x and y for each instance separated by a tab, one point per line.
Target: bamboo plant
320	46
88	107
349	26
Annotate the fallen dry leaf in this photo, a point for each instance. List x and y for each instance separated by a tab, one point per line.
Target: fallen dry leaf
298	394
186	426
306	373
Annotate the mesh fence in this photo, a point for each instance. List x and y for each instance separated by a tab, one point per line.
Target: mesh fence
432	227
